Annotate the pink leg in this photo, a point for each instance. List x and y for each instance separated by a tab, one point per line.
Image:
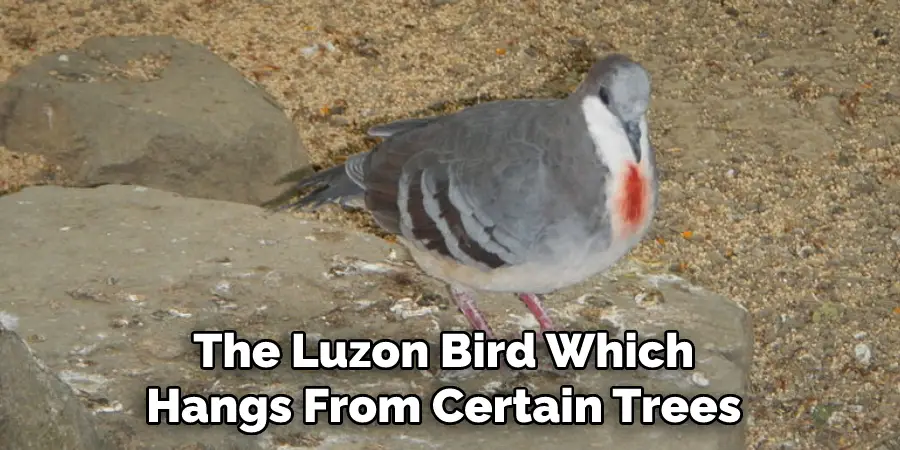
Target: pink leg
465	301
534	302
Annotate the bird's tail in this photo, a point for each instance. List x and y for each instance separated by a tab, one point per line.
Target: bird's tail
332	185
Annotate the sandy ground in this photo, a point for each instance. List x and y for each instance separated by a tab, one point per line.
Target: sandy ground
780	163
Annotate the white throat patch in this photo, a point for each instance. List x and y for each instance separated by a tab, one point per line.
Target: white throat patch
610	141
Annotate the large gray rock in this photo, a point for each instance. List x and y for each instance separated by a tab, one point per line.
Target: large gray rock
111	281
37	410
155	111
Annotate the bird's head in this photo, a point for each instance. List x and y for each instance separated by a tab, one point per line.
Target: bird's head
623	87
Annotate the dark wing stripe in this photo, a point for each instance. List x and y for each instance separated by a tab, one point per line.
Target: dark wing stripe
470	246
437	223
421	219
481	229
423	228
382	196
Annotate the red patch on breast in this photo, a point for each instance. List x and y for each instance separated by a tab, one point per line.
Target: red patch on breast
633	203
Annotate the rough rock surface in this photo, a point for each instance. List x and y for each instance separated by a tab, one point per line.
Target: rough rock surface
37	410
109	282
154	111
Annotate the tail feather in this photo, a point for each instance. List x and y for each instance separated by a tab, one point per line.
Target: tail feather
332	185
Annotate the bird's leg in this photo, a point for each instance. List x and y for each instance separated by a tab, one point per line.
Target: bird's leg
535	304
465	301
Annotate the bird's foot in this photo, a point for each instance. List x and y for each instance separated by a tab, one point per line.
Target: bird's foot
535	304
465	301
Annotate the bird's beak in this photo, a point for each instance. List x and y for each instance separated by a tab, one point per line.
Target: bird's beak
633	131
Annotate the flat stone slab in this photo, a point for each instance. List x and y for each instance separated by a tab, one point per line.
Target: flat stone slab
107	284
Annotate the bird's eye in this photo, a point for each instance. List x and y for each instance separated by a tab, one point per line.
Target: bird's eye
604	95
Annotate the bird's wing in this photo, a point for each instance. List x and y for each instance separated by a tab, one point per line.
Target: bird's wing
485	188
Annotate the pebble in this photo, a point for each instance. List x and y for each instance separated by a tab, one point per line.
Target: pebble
651	298
836	419
222	289
699	379
863	354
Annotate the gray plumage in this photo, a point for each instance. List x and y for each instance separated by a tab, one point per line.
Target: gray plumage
484	168
501	184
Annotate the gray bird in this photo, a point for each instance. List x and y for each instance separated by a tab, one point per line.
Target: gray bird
520	196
